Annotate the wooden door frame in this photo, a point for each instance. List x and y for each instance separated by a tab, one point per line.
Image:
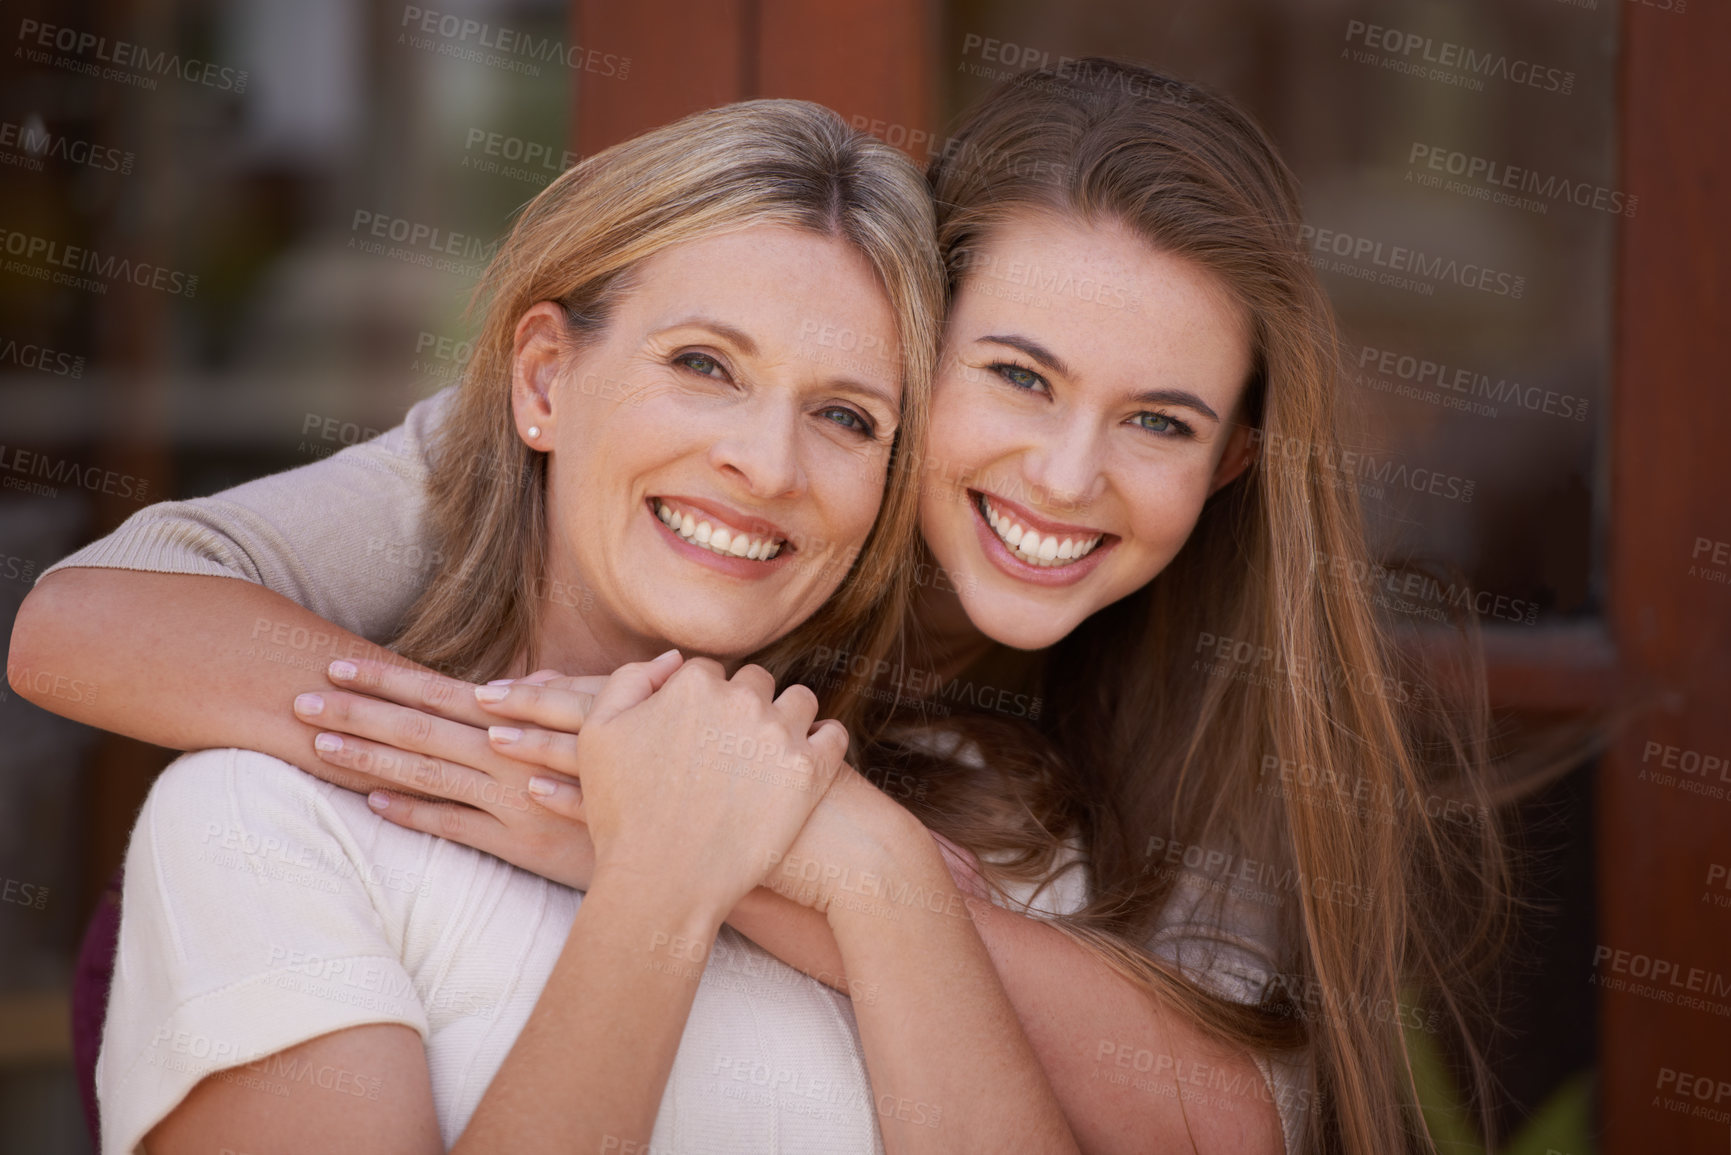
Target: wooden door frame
1669	432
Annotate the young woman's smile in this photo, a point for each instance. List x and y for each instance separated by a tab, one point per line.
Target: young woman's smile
1036	549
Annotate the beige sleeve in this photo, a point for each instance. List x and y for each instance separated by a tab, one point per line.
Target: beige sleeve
345	537
1226	938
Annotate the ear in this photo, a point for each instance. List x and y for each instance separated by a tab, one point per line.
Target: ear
1240	451
538	357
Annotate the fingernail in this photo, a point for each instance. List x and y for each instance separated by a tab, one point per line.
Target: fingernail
341	671
504	735
309	704
378	800
490	693
327	743
542	787
501	681
668	654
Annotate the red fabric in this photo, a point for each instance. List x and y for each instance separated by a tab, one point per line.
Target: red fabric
91	979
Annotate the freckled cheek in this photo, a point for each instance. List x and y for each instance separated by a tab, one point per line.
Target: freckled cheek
963	447
959	414
1165	506
1157	541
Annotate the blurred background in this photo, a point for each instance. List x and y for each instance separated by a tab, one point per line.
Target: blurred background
1518	207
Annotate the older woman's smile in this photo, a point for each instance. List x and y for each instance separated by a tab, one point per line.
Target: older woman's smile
728	534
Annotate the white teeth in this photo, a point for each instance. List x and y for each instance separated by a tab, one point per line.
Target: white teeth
1034	547
717	539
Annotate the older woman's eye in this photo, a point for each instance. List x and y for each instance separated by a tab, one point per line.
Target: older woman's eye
1019	376
701	363
850	419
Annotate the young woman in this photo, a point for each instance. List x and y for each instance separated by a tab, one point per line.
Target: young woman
1138	376
295	974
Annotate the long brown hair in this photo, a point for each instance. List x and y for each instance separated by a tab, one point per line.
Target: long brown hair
781	162
1247	701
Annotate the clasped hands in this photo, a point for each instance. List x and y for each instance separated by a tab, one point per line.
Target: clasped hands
666	771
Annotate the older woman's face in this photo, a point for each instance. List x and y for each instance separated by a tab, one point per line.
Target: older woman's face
714	466
1082	413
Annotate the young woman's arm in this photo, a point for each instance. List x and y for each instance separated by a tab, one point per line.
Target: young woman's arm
186	661
148	634
934	971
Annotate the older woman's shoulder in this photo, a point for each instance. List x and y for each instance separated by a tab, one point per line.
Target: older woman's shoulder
203	774
229	795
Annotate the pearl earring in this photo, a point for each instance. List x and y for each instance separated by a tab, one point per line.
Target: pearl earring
534	431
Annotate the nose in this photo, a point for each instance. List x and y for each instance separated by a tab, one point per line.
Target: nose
1066	468
760	450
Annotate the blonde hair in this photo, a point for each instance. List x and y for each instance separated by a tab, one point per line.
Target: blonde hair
1146	741
782	162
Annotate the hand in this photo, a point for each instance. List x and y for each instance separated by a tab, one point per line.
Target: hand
462	782
698	785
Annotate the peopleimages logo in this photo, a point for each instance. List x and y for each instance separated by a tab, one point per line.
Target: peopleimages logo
419	243
514	157
1281	451
24	463
1372	260
144	63
1460	387
25	145
1485	179
28	355
109	266
462	38
1446	61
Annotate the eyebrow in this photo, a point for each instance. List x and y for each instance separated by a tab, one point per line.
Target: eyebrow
1177	397
720	328
749	347
1034	349
1052	361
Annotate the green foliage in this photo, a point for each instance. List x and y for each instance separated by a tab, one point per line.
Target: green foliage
1562	1125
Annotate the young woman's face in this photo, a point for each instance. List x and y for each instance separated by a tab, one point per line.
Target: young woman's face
712	472
1083	411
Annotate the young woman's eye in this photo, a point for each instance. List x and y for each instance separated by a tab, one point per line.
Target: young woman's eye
1019	376
1161	423
849	419
702	364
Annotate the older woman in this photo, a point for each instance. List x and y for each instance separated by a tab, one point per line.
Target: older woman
296	974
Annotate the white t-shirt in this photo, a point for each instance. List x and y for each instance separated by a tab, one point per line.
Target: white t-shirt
263	908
